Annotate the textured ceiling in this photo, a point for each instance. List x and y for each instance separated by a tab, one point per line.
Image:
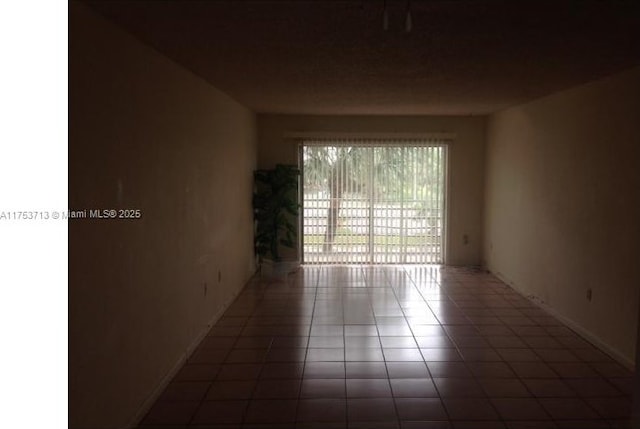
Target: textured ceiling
333	57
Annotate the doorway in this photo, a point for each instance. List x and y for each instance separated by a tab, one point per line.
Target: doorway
373	202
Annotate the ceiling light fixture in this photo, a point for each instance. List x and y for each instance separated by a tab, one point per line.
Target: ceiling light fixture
408	18
385	17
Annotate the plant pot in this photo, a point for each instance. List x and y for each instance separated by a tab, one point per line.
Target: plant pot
270	269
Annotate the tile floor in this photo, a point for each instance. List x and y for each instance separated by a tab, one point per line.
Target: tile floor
377	347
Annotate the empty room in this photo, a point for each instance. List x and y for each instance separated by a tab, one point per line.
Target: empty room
354	214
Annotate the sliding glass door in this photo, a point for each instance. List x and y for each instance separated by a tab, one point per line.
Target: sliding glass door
373	201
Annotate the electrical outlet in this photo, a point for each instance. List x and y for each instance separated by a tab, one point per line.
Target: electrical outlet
589	294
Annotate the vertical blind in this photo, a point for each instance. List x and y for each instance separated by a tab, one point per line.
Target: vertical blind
368	201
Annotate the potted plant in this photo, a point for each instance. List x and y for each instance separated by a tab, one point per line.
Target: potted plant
275	207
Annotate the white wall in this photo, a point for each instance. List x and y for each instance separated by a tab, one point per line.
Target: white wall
562	205
466	162
146	134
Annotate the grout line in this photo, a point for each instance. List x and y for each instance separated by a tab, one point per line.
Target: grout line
306	353
423	360
388	277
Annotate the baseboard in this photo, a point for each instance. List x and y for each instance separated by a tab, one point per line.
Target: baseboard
576	327
164	382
